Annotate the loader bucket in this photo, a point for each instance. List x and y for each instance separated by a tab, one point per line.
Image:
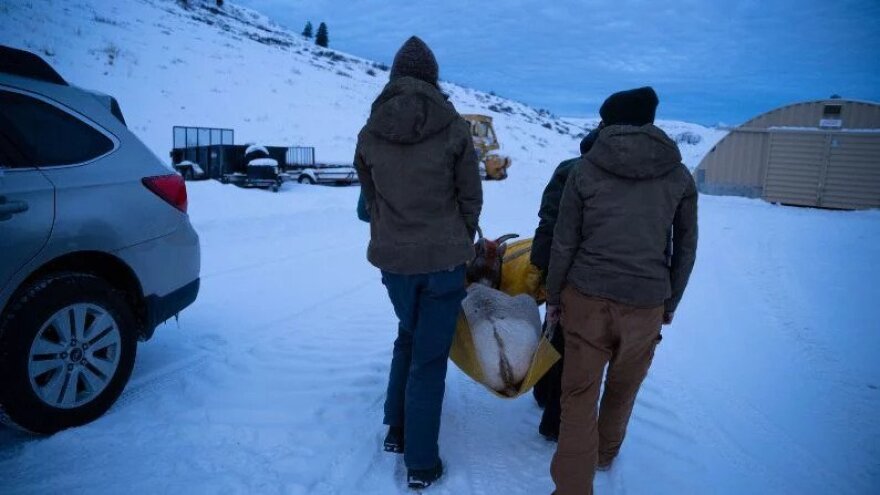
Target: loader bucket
496	167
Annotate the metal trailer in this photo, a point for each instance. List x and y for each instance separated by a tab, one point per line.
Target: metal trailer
211	153
342	175
261	170
204	146
265	176
300	166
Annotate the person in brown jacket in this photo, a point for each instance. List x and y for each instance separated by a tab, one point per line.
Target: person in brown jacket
422	194
613	280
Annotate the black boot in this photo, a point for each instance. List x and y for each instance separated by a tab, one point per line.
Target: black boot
549	427
418	479
394	440
540	392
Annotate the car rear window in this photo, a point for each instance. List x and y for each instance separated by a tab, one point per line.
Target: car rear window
47	135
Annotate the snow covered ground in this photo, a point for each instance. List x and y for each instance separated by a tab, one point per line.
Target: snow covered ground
768	382
273	381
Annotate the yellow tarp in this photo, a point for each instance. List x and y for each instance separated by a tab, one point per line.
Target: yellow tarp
518	276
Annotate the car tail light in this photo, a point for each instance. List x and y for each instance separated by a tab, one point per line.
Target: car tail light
170	188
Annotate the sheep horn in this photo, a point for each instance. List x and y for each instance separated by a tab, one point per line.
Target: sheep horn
501	240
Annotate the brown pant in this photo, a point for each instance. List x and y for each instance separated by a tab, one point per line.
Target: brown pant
599	331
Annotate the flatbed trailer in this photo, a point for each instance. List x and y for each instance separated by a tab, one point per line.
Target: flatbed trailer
211	153
335	174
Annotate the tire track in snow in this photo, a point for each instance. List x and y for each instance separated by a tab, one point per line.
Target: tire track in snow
323	301
665	428
347	469
274	261
502	451
470	413
156	381
762	426
724	444
781	308
348	391
735	445
656	431
778	297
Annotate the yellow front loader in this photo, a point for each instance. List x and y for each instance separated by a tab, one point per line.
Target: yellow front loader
492	165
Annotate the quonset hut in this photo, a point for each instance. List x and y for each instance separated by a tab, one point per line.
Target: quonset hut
818	153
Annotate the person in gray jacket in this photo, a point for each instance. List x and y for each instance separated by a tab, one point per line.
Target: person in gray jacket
611	279
422	194
548	389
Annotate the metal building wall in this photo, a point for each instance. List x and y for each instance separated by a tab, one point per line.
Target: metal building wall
795	168
853	177
736	165
784	156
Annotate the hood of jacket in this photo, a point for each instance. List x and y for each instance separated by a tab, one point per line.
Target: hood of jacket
409	110
643	152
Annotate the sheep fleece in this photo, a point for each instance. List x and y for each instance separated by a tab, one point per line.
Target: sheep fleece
506	331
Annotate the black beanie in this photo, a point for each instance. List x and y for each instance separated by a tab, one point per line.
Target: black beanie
633	107
415	59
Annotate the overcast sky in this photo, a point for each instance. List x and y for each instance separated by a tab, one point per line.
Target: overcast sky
721	61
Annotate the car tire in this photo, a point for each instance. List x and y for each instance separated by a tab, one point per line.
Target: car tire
305	179
36	360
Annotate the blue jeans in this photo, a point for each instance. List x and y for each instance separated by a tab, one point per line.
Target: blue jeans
427	306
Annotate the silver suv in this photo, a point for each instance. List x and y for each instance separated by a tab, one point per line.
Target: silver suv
96	248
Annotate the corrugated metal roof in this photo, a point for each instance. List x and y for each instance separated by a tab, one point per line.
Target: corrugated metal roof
855	114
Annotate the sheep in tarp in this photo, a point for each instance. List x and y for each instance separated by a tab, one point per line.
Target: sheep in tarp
499	341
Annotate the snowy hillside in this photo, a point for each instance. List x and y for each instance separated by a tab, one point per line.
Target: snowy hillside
232	67
272	382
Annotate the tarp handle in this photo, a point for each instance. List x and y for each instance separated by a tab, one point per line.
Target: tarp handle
550	331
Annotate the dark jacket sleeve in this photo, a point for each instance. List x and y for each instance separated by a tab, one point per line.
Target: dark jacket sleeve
567	237
543	240
363	214
368	189
468	185
684	244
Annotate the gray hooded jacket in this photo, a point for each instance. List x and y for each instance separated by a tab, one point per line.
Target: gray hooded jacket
419	175
619	206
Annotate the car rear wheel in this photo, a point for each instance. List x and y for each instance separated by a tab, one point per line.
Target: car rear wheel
67	348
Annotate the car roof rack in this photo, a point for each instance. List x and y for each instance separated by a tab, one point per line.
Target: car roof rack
26	64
